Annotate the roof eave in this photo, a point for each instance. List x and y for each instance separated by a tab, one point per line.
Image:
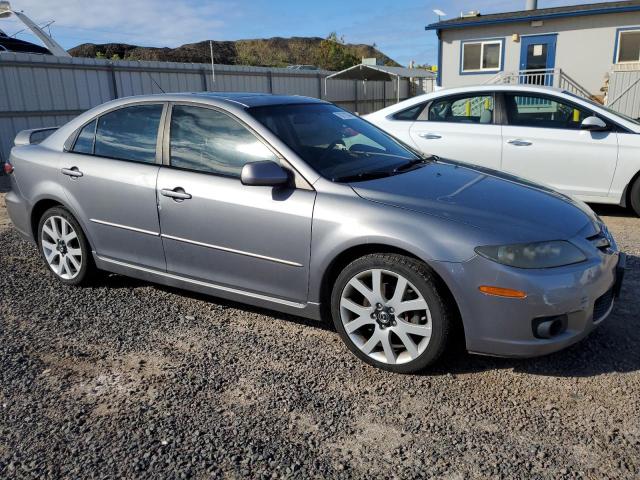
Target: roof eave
542	16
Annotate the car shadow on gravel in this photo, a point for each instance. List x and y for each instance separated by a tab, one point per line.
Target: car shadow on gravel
610	348
612	210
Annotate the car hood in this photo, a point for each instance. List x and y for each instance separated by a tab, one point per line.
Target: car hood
506	205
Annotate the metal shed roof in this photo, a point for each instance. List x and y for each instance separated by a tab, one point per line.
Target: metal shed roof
538	14
379	72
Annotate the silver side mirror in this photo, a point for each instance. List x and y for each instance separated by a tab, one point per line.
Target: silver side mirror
264	173
593	124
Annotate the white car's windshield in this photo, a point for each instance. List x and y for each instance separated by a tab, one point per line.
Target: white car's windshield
336	143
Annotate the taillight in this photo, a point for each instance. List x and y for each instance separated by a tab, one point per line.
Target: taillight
8	168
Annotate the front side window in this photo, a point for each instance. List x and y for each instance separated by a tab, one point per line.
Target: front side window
206	140
471	109
337	144
129	133
481	56
628	46
84	142
544	112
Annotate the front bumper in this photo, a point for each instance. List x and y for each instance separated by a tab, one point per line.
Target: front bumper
500	326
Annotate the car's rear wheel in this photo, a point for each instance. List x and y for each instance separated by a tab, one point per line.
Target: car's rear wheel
389	312
634	196
64	247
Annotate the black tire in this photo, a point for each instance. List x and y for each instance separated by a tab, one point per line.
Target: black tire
634	196
87	270
420	276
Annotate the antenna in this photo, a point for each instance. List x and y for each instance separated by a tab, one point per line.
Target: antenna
155	83
439	13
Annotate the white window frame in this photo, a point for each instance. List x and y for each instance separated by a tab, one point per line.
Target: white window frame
619	44
482	45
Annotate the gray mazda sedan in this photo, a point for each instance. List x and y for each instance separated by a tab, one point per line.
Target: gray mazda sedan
297	205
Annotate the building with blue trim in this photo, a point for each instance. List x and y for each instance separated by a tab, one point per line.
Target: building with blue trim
575	45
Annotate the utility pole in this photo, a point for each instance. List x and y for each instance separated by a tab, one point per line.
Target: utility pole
213	68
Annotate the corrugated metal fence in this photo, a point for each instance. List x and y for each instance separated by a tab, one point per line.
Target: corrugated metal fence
624	89
42	90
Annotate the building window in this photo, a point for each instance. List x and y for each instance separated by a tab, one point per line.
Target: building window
628	46
482	56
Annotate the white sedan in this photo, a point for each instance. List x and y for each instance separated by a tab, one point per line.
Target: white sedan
543	134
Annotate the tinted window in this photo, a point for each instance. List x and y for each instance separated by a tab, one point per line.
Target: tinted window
209	141
472	109
538	111
129	133
84	142
410	113
336	143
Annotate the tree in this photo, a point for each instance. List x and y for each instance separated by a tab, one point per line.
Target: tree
335	55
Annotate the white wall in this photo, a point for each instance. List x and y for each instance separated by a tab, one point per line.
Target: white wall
584	48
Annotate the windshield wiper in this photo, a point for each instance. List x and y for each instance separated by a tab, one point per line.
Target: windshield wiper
410	164
362	176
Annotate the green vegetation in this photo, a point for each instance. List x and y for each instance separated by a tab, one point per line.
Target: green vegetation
331	53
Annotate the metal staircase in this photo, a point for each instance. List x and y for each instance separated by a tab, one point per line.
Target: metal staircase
550	77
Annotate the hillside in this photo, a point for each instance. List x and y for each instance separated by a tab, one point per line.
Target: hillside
330	54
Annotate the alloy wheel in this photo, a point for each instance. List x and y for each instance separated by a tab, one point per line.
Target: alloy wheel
61	247
385	316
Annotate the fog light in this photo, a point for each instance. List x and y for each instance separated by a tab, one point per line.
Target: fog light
549	327
502	292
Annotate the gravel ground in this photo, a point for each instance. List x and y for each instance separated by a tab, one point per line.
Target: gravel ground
127	379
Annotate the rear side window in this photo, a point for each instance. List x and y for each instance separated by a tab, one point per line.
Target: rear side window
129	133
543	112
206	140
410	114
84	142
471	109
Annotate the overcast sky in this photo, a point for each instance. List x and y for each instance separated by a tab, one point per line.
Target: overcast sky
396	27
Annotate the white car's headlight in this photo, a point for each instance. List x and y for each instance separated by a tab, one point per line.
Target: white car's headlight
534	255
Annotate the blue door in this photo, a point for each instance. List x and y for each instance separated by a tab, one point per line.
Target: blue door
537	59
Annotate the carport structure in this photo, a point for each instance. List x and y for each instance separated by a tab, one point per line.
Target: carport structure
367	72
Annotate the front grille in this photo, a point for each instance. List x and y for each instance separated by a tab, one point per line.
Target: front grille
602	305
600	241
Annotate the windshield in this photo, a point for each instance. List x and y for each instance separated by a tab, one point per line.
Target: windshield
607	109
337	144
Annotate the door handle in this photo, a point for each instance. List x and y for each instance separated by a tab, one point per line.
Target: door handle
178	193
72	172
520	143
429	136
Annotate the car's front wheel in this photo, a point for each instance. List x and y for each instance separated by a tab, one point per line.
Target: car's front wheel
390	313
64	247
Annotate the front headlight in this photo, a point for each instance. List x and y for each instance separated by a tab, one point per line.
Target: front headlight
534	255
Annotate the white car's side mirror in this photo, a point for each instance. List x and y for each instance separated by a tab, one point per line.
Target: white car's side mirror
593	124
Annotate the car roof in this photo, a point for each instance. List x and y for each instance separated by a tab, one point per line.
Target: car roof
243	99
500	87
